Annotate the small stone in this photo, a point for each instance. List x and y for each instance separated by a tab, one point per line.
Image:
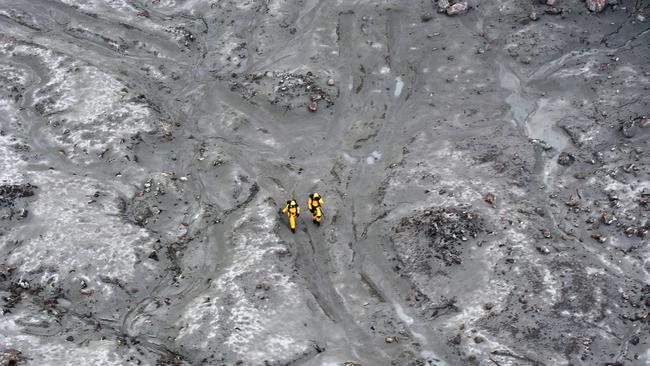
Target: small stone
183	179
86	291
607	218
457	8
533	16
489	198
599	236
572	202
640	18
647	301
313	106
69	338
488	306
478	339
350	363
391	339
543	250
539	211
427	16
546	233
330	82
634	340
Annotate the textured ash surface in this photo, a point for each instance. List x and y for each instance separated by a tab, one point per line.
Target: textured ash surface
484	166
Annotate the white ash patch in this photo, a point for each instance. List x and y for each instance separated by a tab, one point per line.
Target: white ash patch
88	240
241	327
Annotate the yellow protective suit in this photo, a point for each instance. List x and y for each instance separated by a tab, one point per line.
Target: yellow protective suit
292	210
315	204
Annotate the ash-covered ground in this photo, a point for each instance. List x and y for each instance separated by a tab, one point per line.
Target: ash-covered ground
484	166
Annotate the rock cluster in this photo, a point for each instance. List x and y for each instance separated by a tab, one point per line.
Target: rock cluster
452	7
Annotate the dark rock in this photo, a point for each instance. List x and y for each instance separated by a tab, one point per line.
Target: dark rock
313	106
69	338
613	196
565	159
154	256
629	128
533	16
478	339
543	250
455	339
634	340
488	306
553	11
489	198
427	16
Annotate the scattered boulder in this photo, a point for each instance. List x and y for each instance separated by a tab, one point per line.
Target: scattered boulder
457	8
596	6
533	16
443	5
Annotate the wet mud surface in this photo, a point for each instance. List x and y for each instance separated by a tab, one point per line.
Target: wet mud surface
484	167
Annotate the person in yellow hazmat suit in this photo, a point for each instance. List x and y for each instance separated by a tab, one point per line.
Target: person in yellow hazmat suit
315	204
292	210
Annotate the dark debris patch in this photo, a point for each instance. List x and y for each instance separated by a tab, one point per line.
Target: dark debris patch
446	229
289	90
10	207
12	357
